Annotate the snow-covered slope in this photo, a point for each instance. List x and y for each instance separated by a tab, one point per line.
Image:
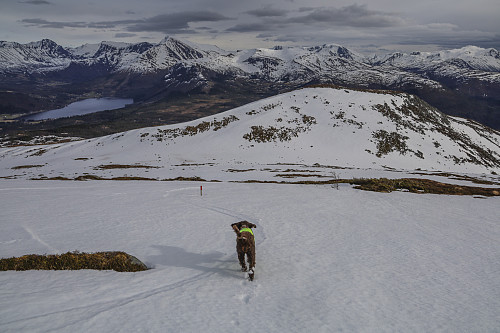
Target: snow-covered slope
475	57
41	56
326	126
327	260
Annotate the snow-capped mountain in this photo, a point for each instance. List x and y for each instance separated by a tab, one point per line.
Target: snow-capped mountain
142	57
471	56
324	125
41	56
463	63
283	64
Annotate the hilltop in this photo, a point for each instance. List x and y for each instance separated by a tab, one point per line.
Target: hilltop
333	127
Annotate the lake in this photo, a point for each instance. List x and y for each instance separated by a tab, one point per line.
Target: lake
85	106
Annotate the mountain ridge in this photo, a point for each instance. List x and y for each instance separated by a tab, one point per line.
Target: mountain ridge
462	82
148	57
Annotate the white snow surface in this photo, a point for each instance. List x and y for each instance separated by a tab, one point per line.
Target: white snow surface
327	260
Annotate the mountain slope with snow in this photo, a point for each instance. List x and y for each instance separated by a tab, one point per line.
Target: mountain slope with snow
41	56
475	57
326	126
327	260
469	62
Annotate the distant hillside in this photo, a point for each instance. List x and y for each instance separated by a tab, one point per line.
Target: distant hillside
326	126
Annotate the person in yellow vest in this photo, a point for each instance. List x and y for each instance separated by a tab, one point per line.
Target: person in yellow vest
245	244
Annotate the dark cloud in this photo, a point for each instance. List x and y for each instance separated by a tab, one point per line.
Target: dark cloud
352	16
166	23
357	16
251	27
41	23
37	2
306	9
176	22
452	42
207	29
266	35
300	22
124	35
267	11
52	24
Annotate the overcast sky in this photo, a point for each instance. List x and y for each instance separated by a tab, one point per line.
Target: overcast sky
365	26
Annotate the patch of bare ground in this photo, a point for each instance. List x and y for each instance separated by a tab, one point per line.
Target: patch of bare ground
239	170
124	166
26	166
299	175
414	185
459	177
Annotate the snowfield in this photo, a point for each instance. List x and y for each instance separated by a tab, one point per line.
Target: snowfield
328	260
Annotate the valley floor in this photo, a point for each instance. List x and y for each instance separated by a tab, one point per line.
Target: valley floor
328	260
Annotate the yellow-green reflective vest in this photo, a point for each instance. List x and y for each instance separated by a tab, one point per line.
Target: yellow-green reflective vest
247	230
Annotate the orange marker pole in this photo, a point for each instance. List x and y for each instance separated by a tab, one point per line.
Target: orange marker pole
201	190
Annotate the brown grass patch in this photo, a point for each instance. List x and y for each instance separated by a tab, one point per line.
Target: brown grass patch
131	178
416	185
459	177
88	177
118	261
51	178
385	185
124	166
299	175
190	179
27	166
239	170
94	177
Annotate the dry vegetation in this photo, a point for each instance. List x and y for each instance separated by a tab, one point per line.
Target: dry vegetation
414	185
124	166
26	166
118	261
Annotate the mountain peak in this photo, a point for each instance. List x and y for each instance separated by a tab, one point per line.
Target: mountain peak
167	39
43	43
179	50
